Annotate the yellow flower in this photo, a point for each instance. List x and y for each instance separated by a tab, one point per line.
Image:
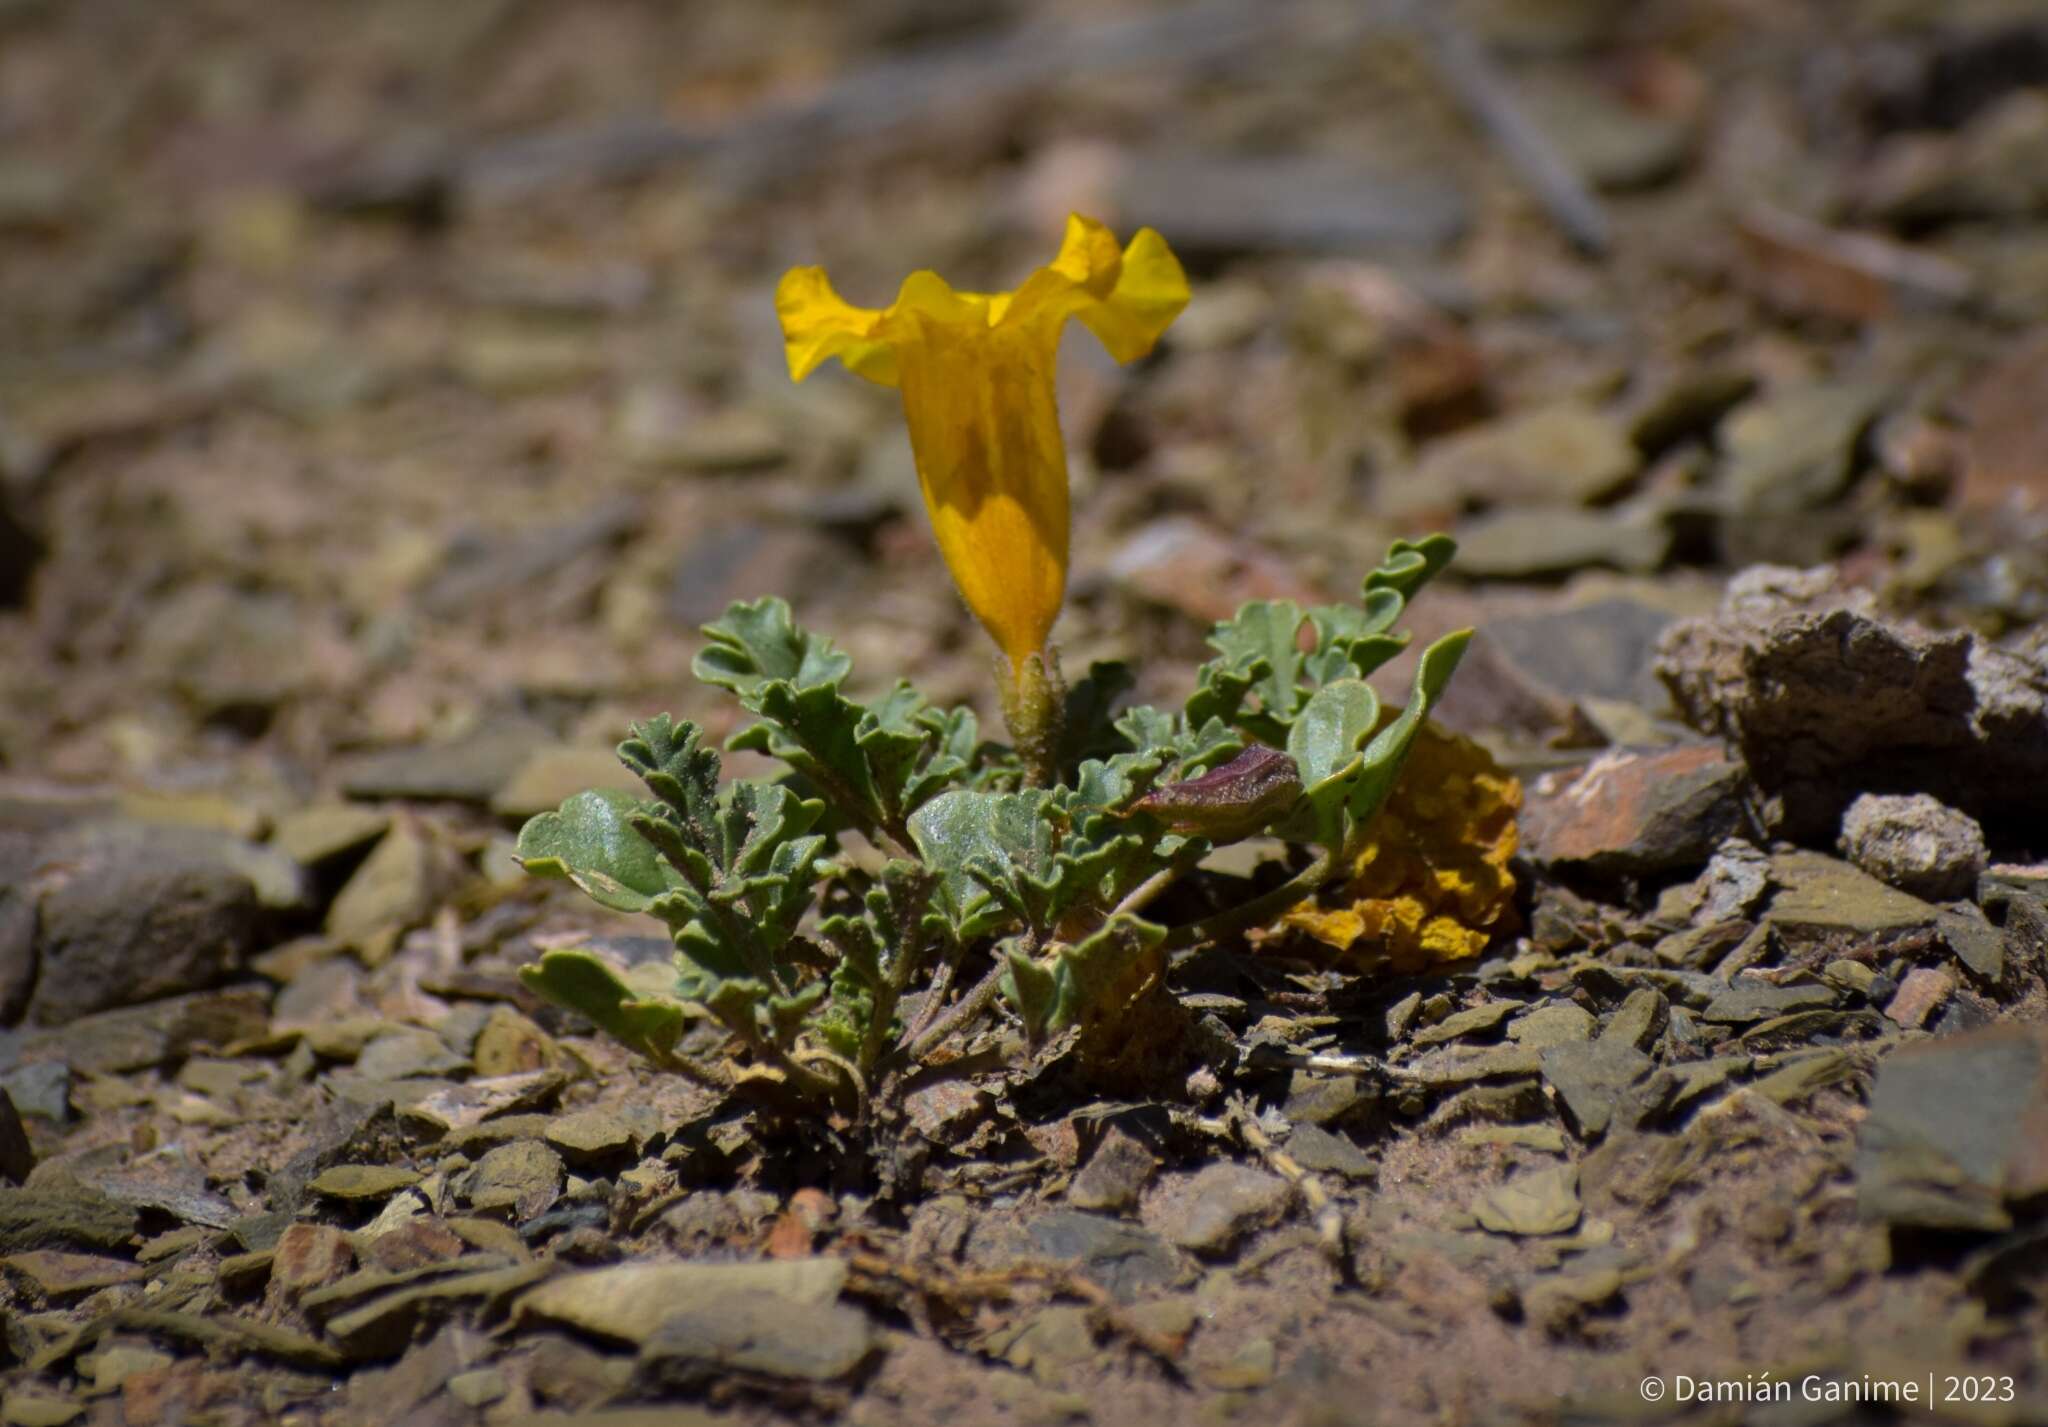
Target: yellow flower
976	372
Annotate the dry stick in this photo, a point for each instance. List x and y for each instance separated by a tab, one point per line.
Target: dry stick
899	98
1258	911
1328	1217
994	1285
1479	85
963	1011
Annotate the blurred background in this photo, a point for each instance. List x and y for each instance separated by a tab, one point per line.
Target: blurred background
385	374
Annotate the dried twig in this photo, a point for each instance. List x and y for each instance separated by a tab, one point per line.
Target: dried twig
1479	85
1001	1286
1329	1219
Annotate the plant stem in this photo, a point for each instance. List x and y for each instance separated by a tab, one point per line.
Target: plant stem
694	1070
963	1011
1258	911
1143	894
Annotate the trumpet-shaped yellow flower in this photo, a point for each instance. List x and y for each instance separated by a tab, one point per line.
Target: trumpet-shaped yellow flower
976	371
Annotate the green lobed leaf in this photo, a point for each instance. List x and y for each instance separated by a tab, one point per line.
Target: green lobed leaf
579	981
1411	564
671	759
591	841
1032	989
1089	973
972	839
1258	655
756	642
1380	765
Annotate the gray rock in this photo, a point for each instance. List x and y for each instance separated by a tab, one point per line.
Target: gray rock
134	912
1325	1099
1544	1201
1603	649
399	885
363	1181
1538	542
1639	1020
1210	1210
1566	454
751	1331
1792	450
1558	1023
1977	944
1826	701
481	570
1122	1258
521	1179
1821	900
406	1051
468	770
1115	1175
628	1303
43	1218
597	1134
1474	1020
1590	1078
1218	203
41	1088
325	833
1321	1152
1614	145
1746	1001
1916	844
139	1037
1957	1131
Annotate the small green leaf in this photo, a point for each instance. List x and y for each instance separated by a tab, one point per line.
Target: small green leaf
590	840
1380	765
998	833
579	981
671	759
1258	654
1333	726
753	643
1032	988
1411	564
1092	975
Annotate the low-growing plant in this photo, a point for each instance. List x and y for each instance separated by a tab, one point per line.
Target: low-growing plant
813	908
803	944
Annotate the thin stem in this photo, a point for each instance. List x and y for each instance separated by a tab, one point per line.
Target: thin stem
1258	911
690	1068
962	1012
1143	894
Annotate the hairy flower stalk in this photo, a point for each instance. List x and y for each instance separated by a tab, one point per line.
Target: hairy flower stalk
977	375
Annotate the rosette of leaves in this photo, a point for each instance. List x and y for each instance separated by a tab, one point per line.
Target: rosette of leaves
803	946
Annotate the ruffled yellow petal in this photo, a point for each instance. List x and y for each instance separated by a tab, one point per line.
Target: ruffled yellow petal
1126	298
818	325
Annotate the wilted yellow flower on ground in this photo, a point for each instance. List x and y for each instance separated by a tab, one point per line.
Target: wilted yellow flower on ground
1433	885
976	371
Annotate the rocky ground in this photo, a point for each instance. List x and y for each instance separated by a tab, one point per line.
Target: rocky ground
390	390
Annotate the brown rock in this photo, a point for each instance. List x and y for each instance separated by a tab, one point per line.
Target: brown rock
309	1256
510	1044
1923	990
1827	701
1632	812
2007	452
